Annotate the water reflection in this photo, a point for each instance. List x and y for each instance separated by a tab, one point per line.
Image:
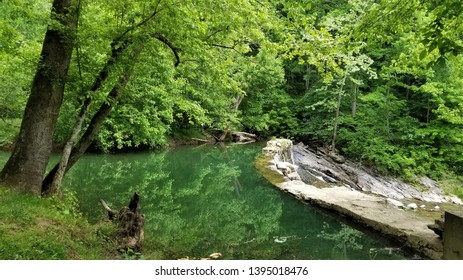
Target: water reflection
210	199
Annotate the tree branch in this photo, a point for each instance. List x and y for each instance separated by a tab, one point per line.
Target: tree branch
216	32
226	47
223	46
168	43
8	123
144	21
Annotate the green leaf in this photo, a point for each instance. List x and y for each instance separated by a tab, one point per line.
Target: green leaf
423	54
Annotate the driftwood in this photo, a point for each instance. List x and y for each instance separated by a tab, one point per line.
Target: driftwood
130	223
243	137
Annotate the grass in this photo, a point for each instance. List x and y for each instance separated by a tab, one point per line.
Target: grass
34	228
453	184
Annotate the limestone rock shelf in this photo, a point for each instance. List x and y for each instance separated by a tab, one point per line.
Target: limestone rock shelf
373	201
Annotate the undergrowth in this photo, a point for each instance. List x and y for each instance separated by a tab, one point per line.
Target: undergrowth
34	228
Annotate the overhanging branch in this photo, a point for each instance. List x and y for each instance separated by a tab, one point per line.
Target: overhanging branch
168	43
144	21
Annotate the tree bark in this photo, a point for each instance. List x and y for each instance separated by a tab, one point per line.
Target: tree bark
26	166
55	187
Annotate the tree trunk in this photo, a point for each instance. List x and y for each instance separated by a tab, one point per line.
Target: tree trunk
52	185
307	78
94	127
55	187
26	166
234	107
354	101
130	223
336	120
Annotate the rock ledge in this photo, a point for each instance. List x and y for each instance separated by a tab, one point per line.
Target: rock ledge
372	201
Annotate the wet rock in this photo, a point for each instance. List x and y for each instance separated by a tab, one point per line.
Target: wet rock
438	226
412	206
285	152
270	150
285	167
293	176
396	203
336	157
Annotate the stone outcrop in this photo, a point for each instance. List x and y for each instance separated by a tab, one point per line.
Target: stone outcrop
354	192
351	175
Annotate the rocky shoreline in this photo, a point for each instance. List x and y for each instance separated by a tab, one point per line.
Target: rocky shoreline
386	205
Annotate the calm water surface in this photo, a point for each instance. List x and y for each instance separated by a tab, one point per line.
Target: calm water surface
200	200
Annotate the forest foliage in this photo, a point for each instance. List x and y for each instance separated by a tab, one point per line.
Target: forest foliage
380	81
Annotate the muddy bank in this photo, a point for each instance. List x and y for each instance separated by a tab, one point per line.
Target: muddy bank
387	205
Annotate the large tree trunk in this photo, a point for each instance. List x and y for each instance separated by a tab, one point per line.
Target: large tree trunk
25	168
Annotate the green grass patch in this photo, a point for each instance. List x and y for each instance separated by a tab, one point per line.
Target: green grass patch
34	228
453	184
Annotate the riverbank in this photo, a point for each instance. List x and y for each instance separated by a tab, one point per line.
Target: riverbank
408	225
34	228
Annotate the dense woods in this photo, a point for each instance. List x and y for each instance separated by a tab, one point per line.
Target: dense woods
377	81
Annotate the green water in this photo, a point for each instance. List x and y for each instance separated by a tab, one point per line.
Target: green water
201	200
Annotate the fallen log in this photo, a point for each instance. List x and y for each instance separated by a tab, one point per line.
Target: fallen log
243	137
130	223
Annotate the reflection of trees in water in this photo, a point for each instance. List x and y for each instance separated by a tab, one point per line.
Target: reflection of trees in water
222	205
344	240
116	177
209	199
196	200
350	243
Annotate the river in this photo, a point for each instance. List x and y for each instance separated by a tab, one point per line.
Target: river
201	200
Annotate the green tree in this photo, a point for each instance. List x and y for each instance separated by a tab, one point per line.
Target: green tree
26	166
208	33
